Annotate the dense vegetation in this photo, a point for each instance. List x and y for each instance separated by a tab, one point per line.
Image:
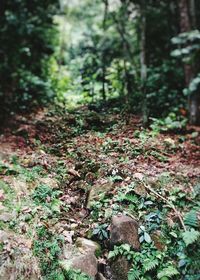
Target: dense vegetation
28	38
145	54
101	107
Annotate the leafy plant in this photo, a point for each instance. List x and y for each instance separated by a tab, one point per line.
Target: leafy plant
168	272
44	195
101	231
190	236
190	219
47	247
75	275
170	123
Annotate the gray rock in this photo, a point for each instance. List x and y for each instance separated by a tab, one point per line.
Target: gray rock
6	217
87	245
124	230
78	258
87	263
17	264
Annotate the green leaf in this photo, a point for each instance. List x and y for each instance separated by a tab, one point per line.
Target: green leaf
149	264
147	237
169	271
126	247
111	254
134	274
190	236
191	219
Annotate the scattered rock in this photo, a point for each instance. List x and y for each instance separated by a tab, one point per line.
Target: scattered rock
6	217
68	236
98	191
87	263
120	268
16	258
4	236
52	183
140	190
2	196
81	257
86	245
124	230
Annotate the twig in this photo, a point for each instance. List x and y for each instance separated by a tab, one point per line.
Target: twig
169	204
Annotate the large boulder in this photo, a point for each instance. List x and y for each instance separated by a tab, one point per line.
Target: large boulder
124	230
86	263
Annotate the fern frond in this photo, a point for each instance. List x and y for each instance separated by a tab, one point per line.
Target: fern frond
150	264
134	274
190	236
131	198
169	272
191	219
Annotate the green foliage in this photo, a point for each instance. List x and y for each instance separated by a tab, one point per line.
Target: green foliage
25	53
44	195
150	264
190	219
188	44
101	231
134	274
75	275
168	272
190	236
47	247
193	86
170	123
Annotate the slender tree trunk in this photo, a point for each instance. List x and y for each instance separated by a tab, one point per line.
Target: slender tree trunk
143	61
195	98
193	14
103	53
185	26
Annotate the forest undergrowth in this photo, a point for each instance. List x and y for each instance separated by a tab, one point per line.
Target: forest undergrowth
64	174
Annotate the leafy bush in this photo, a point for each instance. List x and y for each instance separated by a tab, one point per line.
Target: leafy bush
28	35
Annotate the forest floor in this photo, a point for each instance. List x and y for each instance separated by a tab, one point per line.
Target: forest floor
63	175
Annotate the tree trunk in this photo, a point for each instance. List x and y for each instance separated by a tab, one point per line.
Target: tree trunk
193	14
103	52
185	26
143	62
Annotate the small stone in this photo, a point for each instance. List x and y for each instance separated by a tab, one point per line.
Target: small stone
2	196
73	226
87	245
4	236
68	236
6	217
124	230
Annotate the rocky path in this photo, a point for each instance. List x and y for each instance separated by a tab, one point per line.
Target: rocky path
73	185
